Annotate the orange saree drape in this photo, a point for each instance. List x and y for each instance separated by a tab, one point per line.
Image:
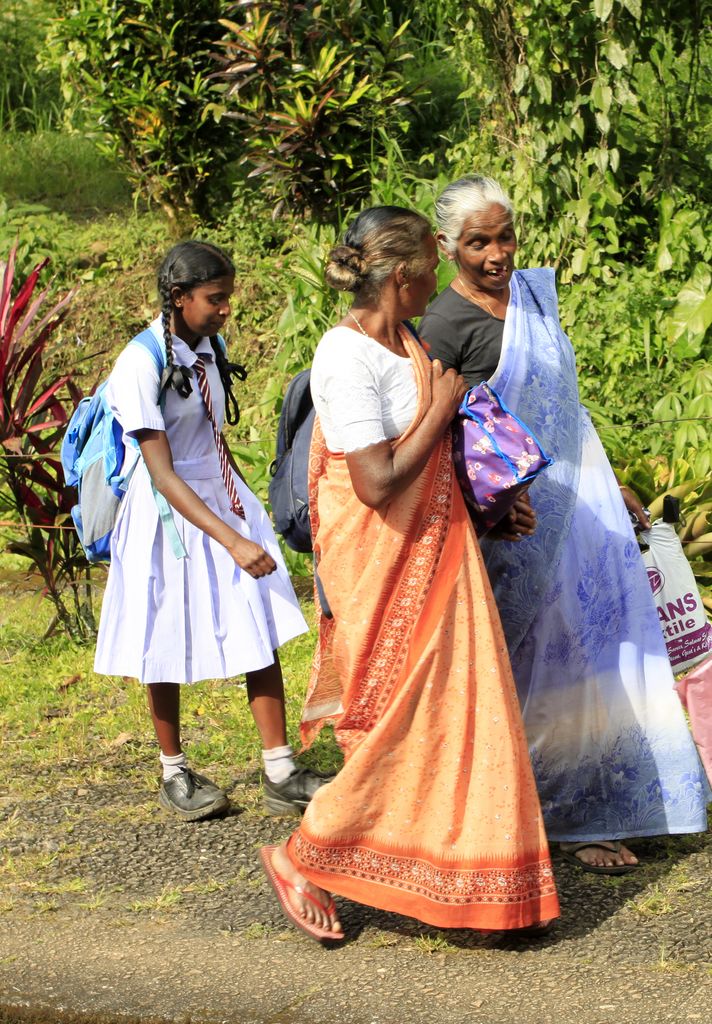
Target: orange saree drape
435	813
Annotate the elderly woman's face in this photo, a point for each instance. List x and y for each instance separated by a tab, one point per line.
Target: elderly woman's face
486	248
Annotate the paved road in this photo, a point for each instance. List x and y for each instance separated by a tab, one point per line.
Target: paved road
110	909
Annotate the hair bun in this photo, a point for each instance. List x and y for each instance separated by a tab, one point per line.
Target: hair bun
346	268
349	257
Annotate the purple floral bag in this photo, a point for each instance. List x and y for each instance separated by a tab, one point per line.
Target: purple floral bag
496	456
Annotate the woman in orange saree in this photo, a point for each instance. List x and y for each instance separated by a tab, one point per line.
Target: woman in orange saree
435	813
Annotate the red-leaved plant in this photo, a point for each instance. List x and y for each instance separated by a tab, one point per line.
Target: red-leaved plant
33	495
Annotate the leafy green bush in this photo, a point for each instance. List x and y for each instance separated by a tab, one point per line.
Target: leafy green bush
134	76
309	84
35	232
592	112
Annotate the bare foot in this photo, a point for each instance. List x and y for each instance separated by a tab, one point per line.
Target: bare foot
311	903
602	853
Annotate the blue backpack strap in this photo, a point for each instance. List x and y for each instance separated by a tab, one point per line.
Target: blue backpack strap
166	513
156	347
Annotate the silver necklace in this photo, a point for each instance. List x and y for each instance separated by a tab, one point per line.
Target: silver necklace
365	333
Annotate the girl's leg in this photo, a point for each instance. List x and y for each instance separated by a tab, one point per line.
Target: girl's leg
183	792
287	788
164	705
265	692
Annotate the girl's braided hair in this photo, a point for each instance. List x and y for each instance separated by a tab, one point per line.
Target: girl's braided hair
186	265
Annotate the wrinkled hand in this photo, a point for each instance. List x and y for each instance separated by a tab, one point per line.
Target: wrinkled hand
519	522
252	558
448	389
634	505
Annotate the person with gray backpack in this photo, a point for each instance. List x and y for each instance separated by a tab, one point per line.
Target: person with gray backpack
220	603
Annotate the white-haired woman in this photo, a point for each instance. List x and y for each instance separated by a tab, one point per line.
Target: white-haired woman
610	747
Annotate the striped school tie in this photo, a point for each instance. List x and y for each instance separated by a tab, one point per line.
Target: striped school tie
225	468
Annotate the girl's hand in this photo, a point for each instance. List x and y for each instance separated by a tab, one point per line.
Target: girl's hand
448	389
251	557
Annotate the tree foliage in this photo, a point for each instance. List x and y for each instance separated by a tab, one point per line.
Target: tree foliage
135	75
599	110
309	85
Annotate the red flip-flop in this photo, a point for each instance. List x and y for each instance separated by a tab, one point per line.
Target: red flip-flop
280	886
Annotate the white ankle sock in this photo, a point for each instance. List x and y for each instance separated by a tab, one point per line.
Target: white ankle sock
279	763
173	765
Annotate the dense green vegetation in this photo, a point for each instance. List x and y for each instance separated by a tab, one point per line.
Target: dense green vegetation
125	124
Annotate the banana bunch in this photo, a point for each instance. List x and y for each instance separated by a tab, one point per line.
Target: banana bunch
650	478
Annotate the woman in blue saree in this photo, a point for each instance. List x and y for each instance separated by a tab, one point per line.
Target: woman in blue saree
611	750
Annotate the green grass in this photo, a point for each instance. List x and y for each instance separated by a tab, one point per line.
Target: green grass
257	930
666	964
384	940
665	896
82	182
62	724
167	899
431	944
23	877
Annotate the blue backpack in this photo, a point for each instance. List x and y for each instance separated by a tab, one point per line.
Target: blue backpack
93	453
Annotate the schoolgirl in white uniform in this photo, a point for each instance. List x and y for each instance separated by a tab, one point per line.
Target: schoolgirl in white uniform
224	608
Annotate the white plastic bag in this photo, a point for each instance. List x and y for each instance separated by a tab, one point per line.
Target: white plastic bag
688	634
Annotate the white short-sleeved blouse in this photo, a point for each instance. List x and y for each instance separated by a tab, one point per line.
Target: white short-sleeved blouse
363	393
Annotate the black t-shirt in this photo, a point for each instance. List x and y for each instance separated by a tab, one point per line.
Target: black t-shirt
462	336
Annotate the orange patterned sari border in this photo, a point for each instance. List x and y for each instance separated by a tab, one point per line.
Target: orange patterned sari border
457	886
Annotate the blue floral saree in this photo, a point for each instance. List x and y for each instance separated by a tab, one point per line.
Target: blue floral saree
611	750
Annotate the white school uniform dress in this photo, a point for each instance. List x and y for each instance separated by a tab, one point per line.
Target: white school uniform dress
172	620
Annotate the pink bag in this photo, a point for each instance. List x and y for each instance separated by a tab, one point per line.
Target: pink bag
496	456
695	692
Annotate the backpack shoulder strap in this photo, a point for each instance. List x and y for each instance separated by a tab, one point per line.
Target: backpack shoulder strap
154	345
156	348
165	511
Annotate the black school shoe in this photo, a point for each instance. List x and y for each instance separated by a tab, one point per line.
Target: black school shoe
192	797
292	795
